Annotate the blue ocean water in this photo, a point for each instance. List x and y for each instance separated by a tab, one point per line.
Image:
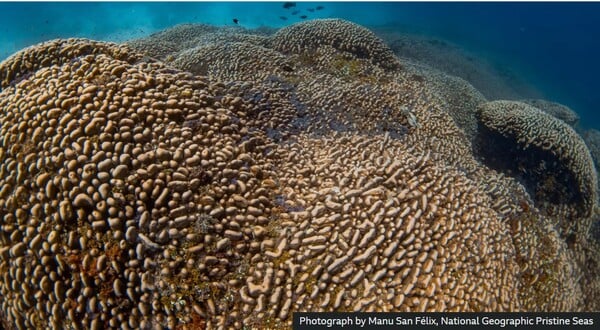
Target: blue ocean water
554	46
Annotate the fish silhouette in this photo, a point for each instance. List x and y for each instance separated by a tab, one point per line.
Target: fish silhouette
289	5
236	21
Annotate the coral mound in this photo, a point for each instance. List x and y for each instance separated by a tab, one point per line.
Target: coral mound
114	175
185	36
55	52
549	154
232	60
341	35
136	194
592	140
557	110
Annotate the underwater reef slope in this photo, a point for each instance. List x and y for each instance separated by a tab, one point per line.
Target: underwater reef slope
495	81
557	110
216	177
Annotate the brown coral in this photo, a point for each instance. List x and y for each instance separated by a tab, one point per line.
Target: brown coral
381	232
134	194
171	40
592	140
114	194
233	61
545	150
342	35
166	44
547	269
557	110
56	52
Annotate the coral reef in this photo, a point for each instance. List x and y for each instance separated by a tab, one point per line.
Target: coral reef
108	176
185	36
591	138
339	34
389	231
220	177
557	110
551	157
232	61
457	97
546	269
56	52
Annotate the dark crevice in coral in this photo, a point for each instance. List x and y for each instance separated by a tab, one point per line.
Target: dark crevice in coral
595	229
20	76
547	180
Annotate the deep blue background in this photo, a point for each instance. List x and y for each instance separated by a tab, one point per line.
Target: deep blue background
552	45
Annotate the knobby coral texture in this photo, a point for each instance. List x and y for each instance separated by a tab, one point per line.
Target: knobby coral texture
218	177
552	156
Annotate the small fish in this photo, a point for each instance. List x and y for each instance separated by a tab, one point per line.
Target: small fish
320	8
283	18
312	10
295	12
303	16
289	5
236	21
